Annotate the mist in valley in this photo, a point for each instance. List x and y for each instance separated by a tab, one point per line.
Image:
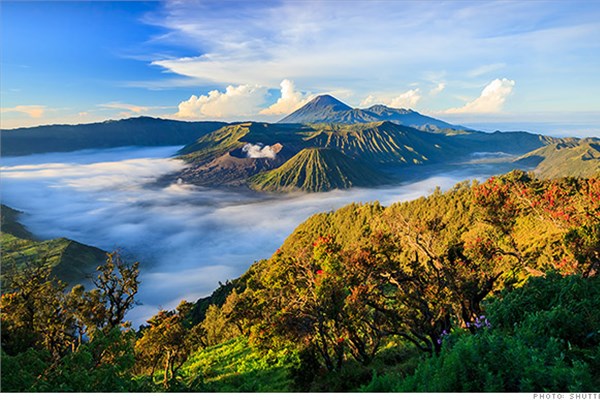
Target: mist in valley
187	238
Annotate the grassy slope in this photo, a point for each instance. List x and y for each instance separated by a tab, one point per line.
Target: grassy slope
579	158
235	366
71	261
10	224
317	170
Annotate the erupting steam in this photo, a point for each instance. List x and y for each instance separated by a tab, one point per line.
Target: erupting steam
258	150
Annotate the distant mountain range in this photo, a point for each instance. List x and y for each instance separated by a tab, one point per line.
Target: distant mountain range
141	131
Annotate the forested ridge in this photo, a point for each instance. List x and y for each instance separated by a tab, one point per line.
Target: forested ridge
487	287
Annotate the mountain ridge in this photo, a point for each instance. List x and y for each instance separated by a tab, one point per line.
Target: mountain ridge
328	109
575	157
138	131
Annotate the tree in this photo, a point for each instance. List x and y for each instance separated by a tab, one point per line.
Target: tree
33	312
118	284
167	340
76	340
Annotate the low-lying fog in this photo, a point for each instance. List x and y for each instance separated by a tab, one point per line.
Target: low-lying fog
187	238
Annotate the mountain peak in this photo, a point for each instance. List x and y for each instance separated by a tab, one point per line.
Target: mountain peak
319	109
328	101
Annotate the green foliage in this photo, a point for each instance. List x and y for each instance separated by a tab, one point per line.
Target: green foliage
167	341
498	363
218	298
543	337
74	341
347	282
102	365
34	312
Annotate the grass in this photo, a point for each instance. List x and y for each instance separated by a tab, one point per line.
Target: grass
236	366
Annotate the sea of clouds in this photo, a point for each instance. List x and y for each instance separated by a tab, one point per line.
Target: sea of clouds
187	238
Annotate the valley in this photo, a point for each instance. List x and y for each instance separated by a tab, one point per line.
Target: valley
187	238
231	196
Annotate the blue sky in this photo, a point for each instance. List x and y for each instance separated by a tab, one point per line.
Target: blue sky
484	64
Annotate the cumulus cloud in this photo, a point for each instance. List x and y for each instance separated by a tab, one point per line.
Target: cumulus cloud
289	101
438	89
236	101
491	100
34	111
407	99
258	151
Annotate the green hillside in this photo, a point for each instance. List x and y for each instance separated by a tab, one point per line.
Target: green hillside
218	158
317	170
71	261
9	221
578	158
384	143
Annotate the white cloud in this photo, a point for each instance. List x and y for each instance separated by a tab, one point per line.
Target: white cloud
407	99
33	111
322	46
368	101
485	69
290	100
123	106
491	100
137	109
438	89
236	101
258	151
